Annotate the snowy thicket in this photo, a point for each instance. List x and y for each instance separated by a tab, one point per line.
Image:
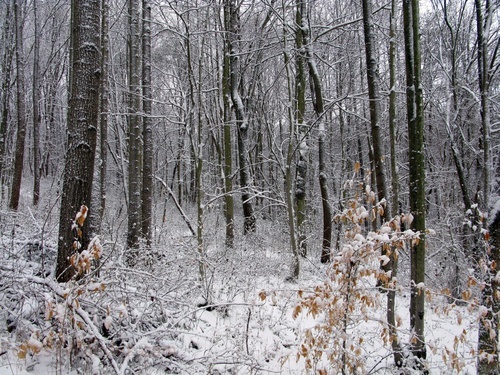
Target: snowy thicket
156	317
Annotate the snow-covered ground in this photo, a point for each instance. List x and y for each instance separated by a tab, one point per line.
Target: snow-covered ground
159	318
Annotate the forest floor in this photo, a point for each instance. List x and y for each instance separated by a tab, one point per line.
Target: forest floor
158	318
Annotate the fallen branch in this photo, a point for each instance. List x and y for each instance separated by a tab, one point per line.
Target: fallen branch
176	202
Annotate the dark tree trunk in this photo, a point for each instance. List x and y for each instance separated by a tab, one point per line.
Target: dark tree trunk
83	113
7	58
135	149
21	110
36	107
302	130
104	107
147	132
241	118
415	117
228	158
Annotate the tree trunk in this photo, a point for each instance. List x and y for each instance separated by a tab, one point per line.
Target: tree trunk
381	180
301	131
488	325
147	132
36	107
104	108
295	266
241	118
417	175
5	93
317	97
392	110
228	159
82	133
21	110
391	294
134	165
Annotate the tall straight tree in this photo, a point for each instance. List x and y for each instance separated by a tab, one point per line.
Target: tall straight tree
378	156
21	109
415	114
319	109
488	347
241	116
302	129
83	113
147	131
36	106
134	142
8	53
104	105
227	115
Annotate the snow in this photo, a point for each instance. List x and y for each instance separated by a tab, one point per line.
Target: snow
244	319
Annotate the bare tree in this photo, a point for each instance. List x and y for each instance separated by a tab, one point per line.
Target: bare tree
241	116
21	109
147	131
390	267
36	106
8	37
134	141
83	113
415	114
302	128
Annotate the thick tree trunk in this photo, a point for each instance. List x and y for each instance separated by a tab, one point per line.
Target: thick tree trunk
82	133
21	110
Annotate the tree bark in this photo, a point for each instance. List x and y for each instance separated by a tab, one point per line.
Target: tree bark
228	159
36	106
104	108
318	103
488	362
301	130
135	149
82	133
241	118
8	38
414	101
147	132
21	110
